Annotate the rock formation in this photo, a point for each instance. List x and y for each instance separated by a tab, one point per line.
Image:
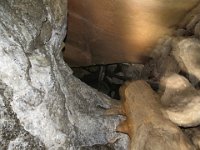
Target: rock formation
43	106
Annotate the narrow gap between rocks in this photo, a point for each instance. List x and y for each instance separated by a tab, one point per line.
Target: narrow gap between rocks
109	78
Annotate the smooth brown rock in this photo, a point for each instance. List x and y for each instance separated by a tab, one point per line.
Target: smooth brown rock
112	31
145	124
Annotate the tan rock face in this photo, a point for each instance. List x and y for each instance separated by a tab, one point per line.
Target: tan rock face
120	31
145	124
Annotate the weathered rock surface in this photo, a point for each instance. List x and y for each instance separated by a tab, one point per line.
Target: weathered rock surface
12	134
187	53
172	84
162	61
181	100
46	100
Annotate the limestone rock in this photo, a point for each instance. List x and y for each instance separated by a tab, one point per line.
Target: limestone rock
48	102
12	134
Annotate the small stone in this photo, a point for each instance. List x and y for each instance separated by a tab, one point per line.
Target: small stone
181	100
171	84
187	54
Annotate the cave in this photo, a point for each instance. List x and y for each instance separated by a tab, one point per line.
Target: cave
99	75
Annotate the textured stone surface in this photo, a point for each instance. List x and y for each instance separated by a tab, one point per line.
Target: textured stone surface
181	100
43	106
172	84
47	101
12	134
187	53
